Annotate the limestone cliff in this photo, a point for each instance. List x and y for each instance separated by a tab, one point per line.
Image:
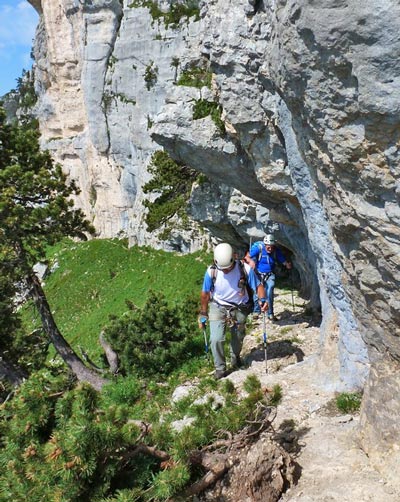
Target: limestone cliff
309	92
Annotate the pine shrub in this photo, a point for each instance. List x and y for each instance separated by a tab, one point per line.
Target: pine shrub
171	182
154	340
59	444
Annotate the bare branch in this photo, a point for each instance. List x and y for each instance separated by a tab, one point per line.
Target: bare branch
111	355
86	358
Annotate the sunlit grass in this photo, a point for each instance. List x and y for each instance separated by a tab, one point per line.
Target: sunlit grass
94	280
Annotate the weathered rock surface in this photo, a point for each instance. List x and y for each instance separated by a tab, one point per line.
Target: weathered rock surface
96	106
293	81
324	442
310	95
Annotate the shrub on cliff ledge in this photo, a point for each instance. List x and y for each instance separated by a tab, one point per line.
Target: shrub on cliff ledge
203	108
349	402
173	183
195	77
173	16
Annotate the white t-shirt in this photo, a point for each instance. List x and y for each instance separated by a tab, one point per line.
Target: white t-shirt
227	290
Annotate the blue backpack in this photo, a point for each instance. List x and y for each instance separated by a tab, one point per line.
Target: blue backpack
260	246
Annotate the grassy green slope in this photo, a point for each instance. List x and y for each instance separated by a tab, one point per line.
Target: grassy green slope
95	278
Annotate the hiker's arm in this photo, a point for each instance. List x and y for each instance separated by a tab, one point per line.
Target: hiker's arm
204	300
261	293
247	259
252	263
283	260
251	257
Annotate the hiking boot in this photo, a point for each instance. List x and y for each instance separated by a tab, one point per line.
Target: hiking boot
218	374
272	318
255	316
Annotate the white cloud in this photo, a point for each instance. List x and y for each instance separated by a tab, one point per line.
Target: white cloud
17	23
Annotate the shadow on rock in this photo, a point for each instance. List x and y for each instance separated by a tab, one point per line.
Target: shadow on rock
289	437
276	350
290	318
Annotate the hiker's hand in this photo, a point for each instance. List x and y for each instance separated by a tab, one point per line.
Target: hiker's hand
288	265
202	320
263	304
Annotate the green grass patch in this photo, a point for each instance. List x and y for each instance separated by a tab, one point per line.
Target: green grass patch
195	77
99	279
349	402
203	108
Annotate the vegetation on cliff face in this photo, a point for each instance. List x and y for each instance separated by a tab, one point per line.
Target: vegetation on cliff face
176	12
195	76
172	184
203	108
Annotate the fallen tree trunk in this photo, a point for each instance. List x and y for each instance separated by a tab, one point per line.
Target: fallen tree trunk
243	466
217	465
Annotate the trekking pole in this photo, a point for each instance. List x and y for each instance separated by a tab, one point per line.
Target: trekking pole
265	343
291	288
206	342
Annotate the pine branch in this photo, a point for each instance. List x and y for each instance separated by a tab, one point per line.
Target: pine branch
152	451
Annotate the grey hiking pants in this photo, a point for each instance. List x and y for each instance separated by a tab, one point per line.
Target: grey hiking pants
219	319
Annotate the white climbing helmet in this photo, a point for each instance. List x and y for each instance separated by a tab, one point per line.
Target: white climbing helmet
269	240
223	255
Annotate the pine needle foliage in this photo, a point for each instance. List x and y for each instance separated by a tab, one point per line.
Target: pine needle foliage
78	445
203	108
58	444
251	384
36	211
171	183
276	395
156	339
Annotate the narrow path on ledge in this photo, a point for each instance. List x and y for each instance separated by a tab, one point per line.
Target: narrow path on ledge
308	425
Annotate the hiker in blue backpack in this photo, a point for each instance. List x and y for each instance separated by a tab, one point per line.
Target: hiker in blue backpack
263	258
226	301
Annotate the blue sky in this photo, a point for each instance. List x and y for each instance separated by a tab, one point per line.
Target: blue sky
18	20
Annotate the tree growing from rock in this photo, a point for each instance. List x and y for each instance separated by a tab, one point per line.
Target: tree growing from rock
36	211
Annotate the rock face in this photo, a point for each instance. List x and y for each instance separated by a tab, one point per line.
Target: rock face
309	92
101	74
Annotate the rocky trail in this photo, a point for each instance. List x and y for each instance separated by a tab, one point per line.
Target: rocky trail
308	425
